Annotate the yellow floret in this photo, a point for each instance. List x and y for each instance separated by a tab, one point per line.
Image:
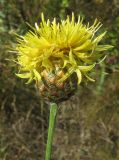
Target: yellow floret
67	45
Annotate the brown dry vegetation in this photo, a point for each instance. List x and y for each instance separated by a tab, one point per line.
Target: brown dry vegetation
87	125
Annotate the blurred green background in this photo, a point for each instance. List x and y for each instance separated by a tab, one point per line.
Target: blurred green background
87	125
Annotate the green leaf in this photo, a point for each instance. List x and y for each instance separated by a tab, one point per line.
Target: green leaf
79	75
85	46
90	79
24	75
103	47
30	80
82	55
86	68
65	63
68	73
98	39
71	58
102	59
37	75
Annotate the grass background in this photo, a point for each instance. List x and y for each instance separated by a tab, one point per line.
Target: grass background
87	125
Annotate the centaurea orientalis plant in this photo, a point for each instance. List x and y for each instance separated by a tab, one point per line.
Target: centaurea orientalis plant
58	55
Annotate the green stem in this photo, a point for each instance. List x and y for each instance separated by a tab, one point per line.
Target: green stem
52	119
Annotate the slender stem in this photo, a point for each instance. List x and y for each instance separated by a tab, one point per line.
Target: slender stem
52	119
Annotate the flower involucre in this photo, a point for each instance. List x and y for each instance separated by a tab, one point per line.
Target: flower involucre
55	51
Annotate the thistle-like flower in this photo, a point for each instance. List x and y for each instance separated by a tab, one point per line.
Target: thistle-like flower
57	55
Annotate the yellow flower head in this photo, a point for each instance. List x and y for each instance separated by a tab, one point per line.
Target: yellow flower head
66	45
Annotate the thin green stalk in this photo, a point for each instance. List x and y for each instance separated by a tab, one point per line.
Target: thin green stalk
52	119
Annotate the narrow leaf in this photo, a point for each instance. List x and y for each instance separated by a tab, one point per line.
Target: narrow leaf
24	75
68	73
98	39
90	79
30	80
85	46
78	72
71	58
37	75
103	47
86	68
